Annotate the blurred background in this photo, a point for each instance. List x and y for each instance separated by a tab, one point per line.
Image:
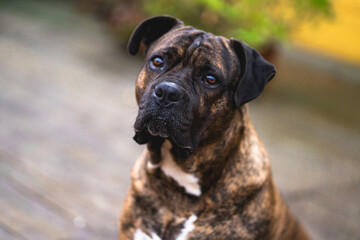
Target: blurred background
67	107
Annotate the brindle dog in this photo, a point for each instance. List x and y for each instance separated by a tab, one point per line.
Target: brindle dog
204	174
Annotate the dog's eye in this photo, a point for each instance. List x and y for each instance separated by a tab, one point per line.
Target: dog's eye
210	80
157	62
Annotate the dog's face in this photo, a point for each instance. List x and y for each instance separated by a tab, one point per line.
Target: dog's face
192	82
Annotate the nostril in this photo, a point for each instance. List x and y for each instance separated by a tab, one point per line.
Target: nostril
174	96
167	93
158	92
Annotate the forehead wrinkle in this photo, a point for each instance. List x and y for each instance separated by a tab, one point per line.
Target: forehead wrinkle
182	42
216	50
169	51
193	47
225	51
173	39
224	55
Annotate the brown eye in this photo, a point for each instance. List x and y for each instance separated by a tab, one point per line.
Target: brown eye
156	63
210	80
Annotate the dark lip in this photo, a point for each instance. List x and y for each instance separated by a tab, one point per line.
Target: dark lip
144	130
146	133
182	146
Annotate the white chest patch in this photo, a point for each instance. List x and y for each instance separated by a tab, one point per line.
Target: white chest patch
171	169
151	166
140	235
188	227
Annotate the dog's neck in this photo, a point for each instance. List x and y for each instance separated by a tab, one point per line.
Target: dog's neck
200	172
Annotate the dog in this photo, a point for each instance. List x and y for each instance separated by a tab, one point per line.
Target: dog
204	173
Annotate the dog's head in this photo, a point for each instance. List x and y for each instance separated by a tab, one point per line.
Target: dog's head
192	82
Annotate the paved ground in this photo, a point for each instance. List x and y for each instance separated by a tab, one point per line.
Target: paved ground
66	113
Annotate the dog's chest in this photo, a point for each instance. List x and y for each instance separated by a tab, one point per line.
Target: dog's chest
213	226
175	215
169	167
176	229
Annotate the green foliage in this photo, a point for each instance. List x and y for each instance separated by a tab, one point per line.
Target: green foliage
253	21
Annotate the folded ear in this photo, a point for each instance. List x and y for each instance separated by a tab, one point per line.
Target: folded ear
149	30
255	73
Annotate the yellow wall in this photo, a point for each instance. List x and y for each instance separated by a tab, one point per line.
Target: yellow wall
338	37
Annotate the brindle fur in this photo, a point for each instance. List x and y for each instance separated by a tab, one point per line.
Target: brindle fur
238	197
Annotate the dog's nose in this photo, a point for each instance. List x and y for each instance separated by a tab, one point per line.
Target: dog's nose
167	93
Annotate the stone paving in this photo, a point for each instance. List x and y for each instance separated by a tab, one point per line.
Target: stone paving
66	113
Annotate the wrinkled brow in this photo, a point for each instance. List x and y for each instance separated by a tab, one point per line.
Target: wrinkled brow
171	52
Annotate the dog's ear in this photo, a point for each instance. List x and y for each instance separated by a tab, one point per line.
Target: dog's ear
149	30
255	73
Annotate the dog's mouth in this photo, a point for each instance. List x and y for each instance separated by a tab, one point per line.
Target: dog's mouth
150	125
144	131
